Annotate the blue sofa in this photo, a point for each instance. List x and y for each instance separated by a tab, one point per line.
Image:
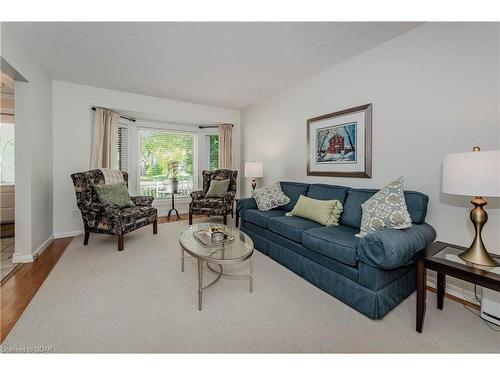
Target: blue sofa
373	274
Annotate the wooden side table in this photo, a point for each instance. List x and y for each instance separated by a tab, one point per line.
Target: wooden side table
443	258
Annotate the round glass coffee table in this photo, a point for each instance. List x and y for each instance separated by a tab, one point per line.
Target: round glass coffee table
234	252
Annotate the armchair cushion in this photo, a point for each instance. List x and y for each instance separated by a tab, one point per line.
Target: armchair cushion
393	248
114	194
217	189
133	217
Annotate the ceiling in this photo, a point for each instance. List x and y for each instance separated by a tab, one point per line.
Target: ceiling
230	65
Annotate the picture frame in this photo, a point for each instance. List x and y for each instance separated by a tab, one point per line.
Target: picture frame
339	144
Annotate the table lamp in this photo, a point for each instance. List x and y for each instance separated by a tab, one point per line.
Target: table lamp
254	169
474	174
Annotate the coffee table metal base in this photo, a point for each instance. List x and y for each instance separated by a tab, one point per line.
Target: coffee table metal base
219	273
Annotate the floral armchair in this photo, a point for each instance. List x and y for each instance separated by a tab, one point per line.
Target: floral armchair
214	206
107	219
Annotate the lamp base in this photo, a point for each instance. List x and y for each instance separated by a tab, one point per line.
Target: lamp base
477	253
254	185
479	257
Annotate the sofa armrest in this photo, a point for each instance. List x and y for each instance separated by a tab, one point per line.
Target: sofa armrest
143	200
393	248
246	204
198	194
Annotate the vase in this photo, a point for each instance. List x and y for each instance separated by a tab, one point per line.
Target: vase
175	186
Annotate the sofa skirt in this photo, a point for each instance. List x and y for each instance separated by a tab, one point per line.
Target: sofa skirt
373	303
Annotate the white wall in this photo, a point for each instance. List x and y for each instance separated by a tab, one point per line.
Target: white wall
72	130
33	156
435	90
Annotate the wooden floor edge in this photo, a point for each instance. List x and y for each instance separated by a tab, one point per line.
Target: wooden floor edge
18	291
11	273
456	299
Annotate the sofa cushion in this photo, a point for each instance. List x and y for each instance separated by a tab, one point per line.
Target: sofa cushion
327	192
417	206
291	227
261	218
293	190
416	203
338	243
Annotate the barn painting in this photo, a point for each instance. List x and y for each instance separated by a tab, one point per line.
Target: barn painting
336	144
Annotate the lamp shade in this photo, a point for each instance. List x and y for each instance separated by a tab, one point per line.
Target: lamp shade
254	169
472	174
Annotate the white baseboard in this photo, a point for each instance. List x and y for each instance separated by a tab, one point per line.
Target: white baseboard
21	258
71	233
456	291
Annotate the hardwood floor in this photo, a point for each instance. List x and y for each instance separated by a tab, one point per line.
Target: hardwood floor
18	290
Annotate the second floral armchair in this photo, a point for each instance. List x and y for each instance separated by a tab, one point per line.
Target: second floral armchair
214	206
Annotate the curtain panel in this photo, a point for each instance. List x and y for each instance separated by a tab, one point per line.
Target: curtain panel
226	146
104	152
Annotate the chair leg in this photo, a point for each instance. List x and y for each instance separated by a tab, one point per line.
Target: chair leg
232	214
120	242
190	218
87	235
224	219
155	226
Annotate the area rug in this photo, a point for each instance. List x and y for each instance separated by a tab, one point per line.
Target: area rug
99	300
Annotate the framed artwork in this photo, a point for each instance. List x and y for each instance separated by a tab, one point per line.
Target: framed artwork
340	144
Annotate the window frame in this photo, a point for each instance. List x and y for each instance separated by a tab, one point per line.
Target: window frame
207	150
201	149
172	131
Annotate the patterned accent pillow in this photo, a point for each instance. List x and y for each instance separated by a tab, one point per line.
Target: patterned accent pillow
270	197
386	209
325	212
217	188
114	194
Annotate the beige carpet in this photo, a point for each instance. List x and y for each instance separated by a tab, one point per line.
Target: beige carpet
99	300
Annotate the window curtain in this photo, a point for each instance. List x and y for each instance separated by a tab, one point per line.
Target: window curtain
104	152
225	146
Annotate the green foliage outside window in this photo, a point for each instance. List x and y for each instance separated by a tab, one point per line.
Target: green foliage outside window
159	150
214	152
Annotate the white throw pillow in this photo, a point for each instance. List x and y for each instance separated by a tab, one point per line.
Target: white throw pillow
386	209
270	197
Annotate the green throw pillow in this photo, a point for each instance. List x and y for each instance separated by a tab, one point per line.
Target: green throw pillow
217	188
114	194
323	212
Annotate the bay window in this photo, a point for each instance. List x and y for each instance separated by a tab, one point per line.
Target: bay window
155	153
165	155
